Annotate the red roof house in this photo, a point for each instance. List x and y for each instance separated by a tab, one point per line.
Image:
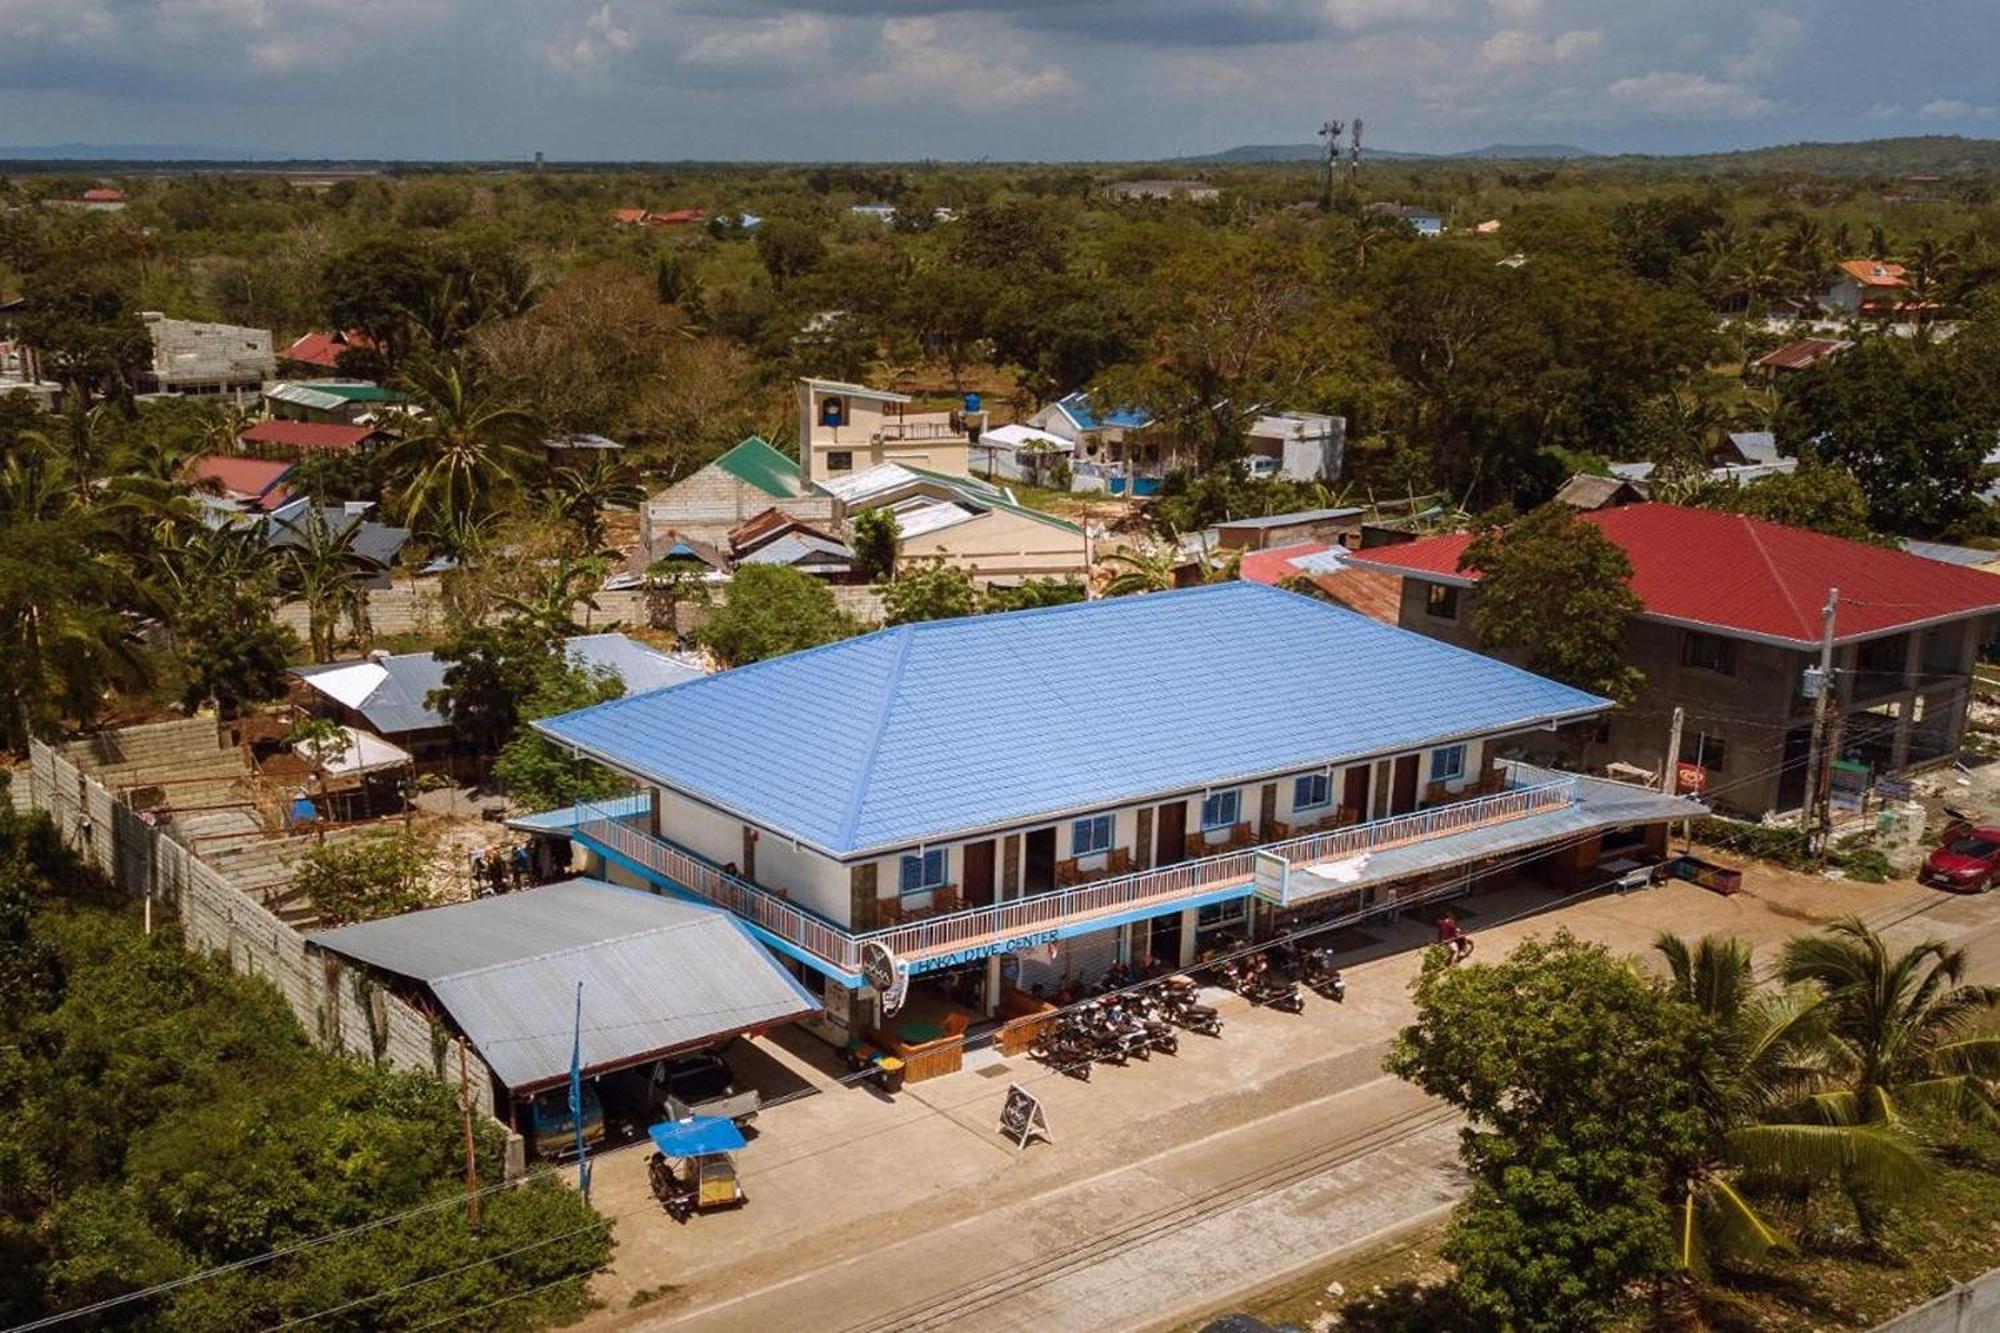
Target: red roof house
679	217
103	194
255	483
323	349
1371	592
278	436
628	217
1706	569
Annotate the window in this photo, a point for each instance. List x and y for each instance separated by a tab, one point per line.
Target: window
1703	751
1312	791
1448	764
840	460
924	871
1221	809
1441	600
1087	837
1710	652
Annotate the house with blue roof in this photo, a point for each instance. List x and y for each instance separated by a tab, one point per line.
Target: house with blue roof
976	797
1112	449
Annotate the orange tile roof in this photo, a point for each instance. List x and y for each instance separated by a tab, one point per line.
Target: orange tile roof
1873	272
1371	592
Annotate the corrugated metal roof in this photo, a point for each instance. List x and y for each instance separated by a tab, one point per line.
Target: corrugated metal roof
1288	520
391	691
955	725
564	819
658	974
1079	408
1602	805
1706	567
756	463
796	548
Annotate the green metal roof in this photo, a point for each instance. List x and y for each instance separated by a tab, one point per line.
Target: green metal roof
756	463
358	393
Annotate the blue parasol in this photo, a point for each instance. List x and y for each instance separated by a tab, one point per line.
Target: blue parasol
696	1136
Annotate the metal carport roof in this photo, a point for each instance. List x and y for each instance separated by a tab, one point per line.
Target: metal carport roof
659	974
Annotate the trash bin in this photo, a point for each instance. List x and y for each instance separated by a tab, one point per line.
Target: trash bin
890	1074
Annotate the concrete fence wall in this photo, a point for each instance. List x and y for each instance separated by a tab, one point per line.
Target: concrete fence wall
339	1007
1970	1307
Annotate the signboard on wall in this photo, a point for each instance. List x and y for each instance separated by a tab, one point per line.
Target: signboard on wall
1690	777
888	974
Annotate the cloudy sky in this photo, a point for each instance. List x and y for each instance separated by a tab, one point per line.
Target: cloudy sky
878	79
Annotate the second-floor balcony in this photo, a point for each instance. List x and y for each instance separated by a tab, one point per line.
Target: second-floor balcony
921	426
949	937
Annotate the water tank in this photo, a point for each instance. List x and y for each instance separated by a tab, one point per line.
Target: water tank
971	404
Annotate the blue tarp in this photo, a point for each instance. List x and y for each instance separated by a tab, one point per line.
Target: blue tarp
696	1136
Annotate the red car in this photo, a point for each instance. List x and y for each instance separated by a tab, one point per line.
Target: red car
1966	860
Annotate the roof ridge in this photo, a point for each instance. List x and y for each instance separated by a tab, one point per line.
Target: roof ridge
881	724
1777	575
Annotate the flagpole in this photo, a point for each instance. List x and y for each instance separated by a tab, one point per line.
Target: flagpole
576	1097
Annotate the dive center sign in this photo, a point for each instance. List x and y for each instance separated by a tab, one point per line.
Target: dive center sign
973	953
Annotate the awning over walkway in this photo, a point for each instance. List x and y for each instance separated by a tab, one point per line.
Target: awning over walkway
565	818
659	975
1602	805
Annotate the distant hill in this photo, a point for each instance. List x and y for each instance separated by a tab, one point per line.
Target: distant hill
128	152
1933	154
1316	152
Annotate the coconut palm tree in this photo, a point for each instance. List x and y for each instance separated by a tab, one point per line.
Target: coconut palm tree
1146	569
559	586
463	448
1767	1057
1906	1030
1929	268
322	568
580	494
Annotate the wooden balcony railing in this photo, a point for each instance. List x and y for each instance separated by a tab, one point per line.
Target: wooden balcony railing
1020	923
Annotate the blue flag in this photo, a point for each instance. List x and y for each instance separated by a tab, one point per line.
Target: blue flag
576	1097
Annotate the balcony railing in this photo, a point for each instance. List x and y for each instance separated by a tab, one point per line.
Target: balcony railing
1021	922
760	907
937	429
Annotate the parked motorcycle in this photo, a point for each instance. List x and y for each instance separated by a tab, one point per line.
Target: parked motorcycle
1269	988
1178	1003
1063	1051
1317	969
1144	1008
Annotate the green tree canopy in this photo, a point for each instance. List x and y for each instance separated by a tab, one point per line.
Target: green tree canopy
1558	593
771	610
931	590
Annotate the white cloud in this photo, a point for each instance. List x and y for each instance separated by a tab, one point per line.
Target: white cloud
919	59
1362	15
58	20
788	41
1515	12
1773	36
1952	108
1683	95
1512	46
603	36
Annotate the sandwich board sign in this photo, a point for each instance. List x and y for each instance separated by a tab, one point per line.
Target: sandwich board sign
1022	1117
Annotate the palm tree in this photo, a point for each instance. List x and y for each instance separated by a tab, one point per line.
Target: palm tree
1906	1029
324	570
581	493
1767	1056
1758	271
559	586
1147	569
464	450
1929	266
1806	254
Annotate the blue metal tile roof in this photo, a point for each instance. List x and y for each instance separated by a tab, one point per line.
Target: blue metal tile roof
945	727
1079	408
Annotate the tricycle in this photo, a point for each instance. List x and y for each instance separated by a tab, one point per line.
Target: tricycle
706	1179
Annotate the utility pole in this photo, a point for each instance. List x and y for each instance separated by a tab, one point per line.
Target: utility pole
471	1155
1330	132
1354	155
1818	753
1671	782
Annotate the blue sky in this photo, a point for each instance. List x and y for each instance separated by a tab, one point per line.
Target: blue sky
878	79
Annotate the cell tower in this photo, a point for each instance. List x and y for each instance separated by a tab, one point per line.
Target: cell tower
1331	133
1354	154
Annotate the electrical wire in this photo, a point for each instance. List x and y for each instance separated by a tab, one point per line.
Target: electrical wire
454	1200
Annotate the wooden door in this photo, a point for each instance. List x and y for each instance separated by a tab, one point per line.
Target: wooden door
1040	869
1171	834
978	885
1403	786
1354	792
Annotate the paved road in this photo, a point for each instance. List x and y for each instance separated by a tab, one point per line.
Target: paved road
1163	1239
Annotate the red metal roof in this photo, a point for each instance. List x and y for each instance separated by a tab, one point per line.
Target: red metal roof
306	434
1371	592
103	194
324	349
1803	353
676	217
253	479
629	216
1705	567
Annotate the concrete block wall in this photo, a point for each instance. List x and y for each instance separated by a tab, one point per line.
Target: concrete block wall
216	916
